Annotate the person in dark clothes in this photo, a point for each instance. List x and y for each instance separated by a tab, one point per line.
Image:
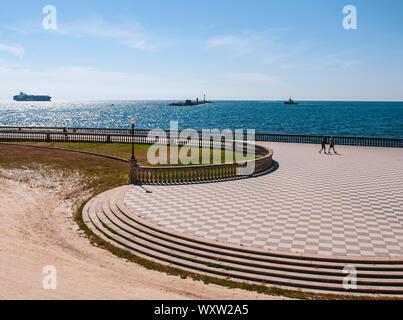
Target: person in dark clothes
332	145
323	145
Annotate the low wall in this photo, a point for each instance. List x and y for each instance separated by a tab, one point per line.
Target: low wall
158	175
201	173
264	137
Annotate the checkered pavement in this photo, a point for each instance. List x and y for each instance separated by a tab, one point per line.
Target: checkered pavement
345	205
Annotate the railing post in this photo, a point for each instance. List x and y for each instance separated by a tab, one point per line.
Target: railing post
132	171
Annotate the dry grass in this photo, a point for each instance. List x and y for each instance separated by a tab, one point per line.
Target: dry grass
99	174
123	151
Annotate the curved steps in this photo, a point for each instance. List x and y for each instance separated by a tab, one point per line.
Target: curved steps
107	216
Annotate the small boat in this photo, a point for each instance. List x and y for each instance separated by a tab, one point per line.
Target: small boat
290	101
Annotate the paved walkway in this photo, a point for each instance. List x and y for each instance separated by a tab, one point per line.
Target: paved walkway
345	205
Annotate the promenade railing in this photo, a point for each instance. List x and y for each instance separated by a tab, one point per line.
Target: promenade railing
263	137
210	172
160	174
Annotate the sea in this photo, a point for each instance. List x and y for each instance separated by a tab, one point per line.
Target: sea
369	119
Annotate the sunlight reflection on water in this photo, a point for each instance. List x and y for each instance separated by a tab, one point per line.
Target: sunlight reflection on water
338	118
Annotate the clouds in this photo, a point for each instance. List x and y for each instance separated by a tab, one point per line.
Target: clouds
232	41
130	34
336	61
271	49
78	82
110	54
85	83
240	44
17	50
252	78
73	74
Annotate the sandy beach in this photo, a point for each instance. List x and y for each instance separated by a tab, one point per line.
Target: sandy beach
37	229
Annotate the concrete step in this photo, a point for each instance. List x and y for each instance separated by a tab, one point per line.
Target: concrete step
103	215
167	258
362	264
121	223
200	257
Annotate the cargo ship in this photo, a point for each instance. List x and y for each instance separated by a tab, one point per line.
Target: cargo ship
25	97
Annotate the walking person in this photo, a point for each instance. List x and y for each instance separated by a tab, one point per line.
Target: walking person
332	145
323	145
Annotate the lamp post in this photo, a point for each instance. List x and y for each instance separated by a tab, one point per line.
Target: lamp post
133	122
132	160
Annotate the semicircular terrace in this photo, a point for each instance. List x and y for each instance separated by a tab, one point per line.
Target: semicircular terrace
298	226
341	205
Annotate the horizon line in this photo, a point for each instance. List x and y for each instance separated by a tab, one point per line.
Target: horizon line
211	100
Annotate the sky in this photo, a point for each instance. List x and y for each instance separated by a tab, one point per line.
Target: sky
182	49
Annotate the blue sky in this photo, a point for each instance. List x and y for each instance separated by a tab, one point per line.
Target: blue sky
178	49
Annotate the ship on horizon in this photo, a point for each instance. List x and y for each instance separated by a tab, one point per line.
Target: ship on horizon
26	97
290	101
190	102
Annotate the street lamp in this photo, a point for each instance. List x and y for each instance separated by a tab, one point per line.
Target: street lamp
132	161
133	122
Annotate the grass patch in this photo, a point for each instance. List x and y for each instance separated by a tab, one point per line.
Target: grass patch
101	174
217	266
109	229
123	151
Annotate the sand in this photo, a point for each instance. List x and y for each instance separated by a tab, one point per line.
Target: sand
37	229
